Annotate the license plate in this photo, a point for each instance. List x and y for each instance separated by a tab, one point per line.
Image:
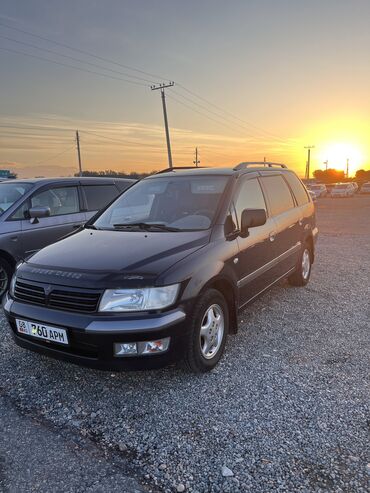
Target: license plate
41	331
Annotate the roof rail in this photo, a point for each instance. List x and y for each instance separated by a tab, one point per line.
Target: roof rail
267	164
174	168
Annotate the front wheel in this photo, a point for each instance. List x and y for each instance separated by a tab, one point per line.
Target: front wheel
209	328
301	275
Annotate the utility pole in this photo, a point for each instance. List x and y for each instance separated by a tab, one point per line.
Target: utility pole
79	154
347	174
308	161
196	162
326	165
162	87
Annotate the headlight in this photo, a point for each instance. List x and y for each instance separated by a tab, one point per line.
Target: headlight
18	264
12	285
135	300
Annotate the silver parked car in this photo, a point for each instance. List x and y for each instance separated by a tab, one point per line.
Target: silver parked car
365	187
342	190
319	190
36	213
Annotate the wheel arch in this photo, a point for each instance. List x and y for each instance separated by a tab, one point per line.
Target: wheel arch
310	242
229	292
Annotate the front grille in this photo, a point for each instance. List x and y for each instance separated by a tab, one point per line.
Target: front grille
68	300
29	292
75	301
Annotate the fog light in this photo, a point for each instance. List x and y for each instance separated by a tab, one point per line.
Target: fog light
153	347
125	349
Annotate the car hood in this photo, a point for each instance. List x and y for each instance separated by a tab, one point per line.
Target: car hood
111	258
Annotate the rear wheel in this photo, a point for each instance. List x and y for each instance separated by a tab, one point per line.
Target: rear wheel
302	274
5	276
209	328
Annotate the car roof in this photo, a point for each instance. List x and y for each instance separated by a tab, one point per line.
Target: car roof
73	179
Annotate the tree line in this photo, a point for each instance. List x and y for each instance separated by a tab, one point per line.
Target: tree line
110	173
335	176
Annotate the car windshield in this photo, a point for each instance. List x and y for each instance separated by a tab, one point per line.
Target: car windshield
166	204
340	187
11	193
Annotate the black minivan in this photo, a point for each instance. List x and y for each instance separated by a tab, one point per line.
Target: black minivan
160	274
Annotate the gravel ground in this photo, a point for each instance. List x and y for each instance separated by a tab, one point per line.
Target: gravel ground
53	460
286	410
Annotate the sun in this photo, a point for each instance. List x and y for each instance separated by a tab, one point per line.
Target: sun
337	153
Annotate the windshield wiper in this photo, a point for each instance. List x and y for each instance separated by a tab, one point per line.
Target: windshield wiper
145	226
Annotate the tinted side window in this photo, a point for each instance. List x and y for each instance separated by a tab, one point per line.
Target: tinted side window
98	196
298	188
250	196
61	201
278	193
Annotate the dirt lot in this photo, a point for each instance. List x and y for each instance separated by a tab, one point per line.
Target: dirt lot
286	410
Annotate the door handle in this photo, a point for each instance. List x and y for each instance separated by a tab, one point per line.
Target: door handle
272	236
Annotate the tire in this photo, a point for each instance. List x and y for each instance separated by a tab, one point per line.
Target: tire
210	317
302	274
6	273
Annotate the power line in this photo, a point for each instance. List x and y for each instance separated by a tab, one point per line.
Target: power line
200	112
132	142
53	157
75	59
156	76
229	113
73	66
69	47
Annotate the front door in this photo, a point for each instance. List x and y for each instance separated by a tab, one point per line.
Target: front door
65	217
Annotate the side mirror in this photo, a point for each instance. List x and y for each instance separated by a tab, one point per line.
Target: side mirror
251	218
37	212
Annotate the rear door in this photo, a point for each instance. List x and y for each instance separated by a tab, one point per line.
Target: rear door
66	216
287	238
256	250
98	196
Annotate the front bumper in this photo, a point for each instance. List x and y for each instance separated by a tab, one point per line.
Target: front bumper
92	336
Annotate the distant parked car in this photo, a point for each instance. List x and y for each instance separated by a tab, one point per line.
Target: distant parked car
329	187
319	190
365	187
355	186
342	190
312	195
36	213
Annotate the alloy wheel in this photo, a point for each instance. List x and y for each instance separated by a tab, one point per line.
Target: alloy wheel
212	331
306	264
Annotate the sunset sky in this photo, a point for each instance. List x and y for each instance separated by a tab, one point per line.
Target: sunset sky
254	79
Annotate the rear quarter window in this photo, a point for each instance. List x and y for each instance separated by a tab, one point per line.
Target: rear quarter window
98	196
297	187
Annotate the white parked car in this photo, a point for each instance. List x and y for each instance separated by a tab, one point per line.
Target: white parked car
312	195
319	190
342	190
365	187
